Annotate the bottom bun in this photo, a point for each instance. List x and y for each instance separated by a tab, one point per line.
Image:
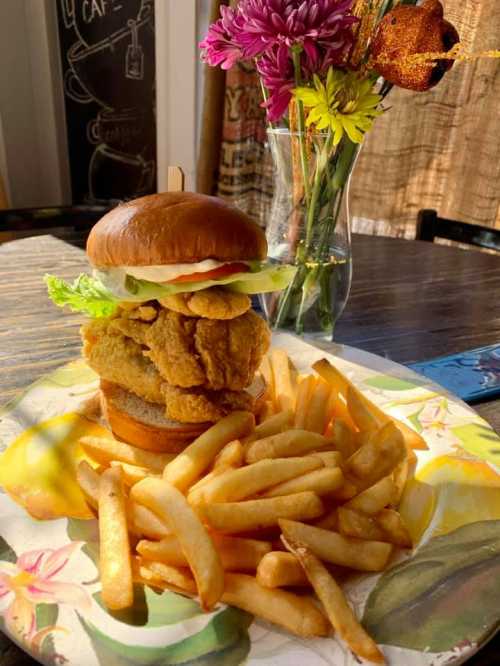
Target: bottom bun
144	424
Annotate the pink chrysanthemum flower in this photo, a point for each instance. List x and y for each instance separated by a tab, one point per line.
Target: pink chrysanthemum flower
219	47
311	24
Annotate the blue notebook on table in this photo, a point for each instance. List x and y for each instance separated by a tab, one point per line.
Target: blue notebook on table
473	375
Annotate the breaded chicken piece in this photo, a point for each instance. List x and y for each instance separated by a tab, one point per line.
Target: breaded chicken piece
120	360
131	328
219	303
212	303
200	406
231	351
171	348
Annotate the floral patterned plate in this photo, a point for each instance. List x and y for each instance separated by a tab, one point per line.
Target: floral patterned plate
437	606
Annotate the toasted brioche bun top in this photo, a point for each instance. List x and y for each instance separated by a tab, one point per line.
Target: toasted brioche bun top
172	228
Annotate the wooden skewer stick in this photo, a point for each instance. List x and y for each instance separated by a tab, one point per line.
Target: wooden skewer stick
175	179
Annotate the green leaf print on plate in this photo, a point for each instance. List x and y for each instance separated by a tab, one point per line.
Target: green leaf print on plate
447	593
71	374
223	642
87	531
480	440
386	383
154	608
6	552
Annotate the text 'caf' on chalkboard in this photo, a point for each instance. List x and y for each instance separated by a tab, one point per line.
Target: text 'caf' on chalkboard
108	62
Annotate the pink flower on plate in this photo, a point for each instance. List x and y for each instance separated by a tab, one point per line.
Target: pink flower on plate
218	47
31	581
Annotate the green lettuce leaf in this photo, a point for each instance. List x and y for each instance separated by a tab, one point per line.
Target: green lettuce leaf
86	294
99	296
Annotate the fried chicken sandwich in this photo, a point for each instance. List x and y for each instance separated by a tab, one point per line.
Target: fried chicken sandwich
172	334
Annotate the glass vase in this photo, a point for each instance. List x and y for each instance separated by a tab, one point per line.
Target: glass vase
309	227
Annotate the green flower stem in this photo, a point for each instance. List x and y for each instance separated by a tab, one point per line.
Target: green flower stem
321	165
301	124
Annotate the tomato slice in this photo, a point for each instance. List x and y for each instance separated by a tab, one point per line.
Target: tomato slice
215	274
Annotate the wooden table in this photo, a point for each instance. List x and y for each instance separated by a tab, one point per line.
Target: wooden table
410	301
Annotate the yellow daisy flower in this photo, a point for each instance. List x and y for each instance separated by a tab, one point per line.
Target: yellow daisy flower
344	103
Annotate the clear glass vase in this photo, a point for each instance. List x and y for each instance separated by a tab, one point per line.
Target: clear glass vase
309	227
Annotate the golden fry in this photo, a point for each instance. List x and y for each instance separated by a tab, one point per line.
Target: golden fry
144	523
377	458
321	481
337	607
233	517
279	569
105	450
329	521
88	480
344	439
172	507
317	416
285	445
237	484
338	549
175	577
272	426
297	614
114	550
284	380
329	458
356	524
375	498
132	473
196	458
342	383
236	554
400	476
393	525
267	372
303	394
230	456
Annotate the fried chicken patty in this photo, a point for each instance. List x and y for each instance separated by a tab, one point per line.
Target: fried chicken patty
197	367
211	303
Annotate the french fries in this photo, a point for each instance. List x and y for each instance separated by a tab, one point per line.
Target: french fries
341	383
88	480
356	524
329	458
104	450
234	517
375	498
297	614
132	473
171	506
327	468
285	445
336	606
322	481
376	458
175	577
272	426
279	569
236	554
394	527
338	549
142	522
114	549
284	380
238	484
230	456
317	415
189	465
304	390
344	438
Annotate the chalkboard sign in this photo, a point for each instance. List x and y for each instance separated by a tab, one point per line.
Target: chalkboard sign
108	62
